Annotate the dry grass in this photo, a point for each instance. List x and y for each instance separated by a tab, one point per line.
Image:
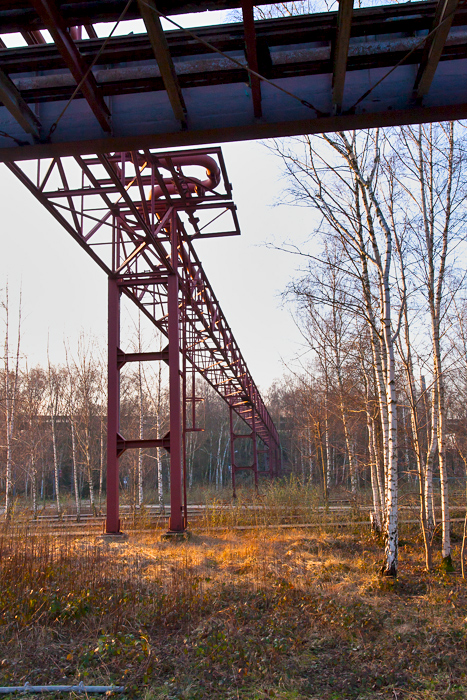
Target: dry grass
263	614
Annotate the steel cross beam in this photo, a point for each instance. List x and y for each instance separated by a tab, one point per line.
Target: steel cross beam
17	107
138	214
54	22
163	58
340	52
444	17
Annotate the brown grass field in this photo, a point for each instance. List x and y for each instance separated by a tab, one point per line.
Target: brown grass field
262	613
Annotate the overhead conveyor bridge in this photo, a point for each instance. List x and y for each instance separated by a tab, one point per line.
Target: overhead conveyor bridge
138	214
353	68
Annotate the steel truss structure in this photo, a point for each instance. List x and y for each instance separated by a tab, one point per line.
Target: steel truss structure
138	214
351	68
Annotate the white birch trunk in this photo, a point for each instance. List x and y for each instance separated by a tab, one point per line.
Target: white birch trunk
89	469
432	451
435	265
326	441
392	475
406	357
56	465
101	459
218	459
379	468
53	394
75	471
310	456
340	383
224	455
34	488
388	367
377	512
443	475
160	482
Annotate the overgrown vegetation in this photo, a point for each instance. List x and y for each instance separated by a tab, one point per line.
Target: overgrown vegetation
294	613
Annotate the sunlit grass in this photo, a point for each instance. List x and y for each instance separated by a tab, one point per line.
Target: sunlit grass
250	614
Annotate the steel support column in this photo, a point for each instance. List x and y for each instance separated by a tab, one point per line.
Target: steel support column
232	451
252	436
255	450
112	523
177	518
269	455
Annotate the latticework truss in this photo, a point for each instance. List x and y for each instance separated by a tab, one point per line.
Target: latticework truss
138	214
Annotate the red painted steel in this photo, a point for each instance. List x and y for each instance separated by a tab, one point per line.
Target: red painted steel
138	214
177	519
64	40
113	403
252	56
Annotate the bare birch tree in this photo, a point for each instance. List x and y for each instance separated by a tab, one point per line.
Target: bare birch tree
329	330
341	178
432	175
11	385
85	374
72	414
33	406
55	392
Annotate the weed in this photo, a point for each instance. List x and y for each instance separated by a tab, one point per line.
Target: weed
232	615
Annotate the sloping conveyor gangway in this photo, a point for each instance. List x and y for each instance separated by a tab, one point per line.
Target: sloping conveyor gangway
138	214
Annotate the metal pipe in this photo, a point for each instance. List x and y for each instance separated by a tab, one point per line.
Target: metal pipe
192	184
80	688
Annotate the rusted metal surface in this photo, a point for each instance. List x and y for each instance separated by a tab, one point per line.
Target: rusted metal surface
434	46
65	43
164	59
382	65
340	52
252	55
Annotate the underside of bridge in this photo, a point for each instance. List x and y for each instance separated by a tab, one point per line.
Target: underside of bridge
351	68
82	115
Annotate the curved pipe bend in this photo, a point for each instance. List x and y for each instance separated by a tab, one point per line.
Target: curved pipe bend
192	184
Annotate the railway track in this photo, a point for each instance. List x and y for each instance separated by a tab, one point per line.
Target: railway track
213	518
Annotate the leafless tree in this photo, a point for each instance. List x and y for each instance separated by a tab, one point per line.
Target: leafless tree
431	169
10	396
340	176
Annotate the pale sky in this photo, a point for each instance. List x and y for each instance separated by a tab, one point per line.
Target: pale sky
65	292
